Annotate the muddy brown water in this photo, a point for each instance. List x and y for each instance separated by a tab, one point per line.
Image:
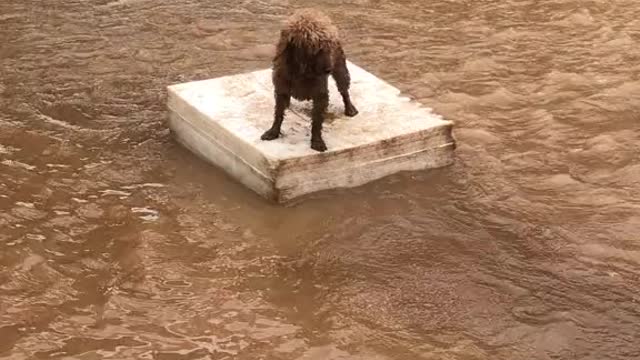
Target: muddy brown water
117	243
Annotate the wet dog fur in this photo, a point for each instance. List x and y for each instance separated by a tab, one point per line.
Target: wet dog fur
308	51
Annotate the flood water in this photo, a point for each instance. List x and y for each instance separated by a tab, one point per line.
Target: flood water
115	242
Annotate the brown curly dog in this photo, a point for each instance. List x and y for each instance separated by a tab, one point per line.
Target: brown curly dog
309	50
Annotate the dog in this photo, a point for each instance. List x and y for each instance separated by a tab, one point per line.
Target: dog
308	51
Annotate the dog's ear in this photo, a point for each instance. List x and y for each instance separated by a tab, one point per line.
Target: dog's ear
323	62
283	42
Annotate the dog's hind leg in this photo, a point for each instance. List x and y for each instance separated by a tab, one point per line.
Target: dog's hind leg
342	78
282	103
320	105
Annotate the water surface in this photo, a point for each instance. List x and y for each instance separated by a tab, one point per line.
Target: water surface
117	243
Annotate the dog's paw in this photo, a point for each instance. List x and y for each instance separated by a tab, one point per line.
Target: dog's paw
318	145
351	111
270	134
